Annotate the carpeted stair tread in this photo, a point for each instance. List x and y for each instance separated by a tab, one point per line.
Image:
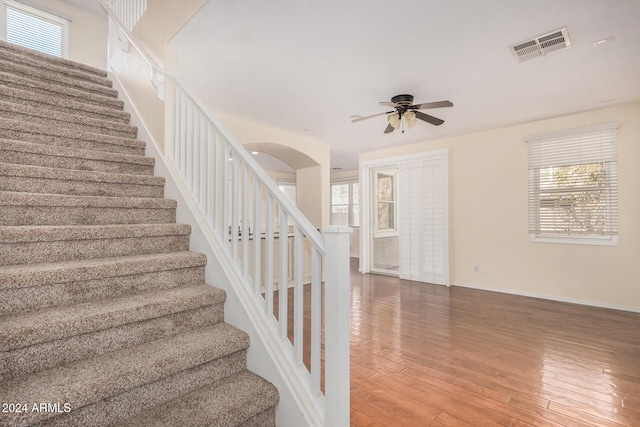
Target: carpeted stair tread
28	153
8	169
53	90
8	198
91	380
22	330
29	275
38	244
64	137
22	234
45	76
64	105
232	401
37	179
53	67
48	117
23	361
28	287
40	56
17	208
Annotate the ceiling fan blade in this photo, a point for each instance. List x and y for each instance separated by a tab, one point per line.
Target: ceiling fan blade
388	104
427	105
429	119
389	129
368	117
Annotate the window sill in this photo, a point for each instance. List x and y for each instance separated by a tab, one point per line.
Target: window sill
575	240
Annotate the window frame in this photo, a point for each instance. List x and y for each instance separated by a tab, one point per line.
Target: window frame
41	14
570	141
350	205
393	204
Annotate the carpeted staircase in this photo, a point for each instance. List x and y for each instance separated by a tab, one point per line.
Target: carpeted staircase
105	318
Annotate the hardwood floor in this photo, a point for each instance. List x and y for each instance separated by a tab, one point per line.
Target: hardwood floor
430	355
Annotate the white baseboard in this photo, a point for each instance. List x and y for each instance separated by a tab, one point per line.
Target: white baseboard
550	297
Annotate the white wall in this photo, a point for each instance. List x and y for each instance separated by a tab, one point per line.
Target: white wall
489	216
87	33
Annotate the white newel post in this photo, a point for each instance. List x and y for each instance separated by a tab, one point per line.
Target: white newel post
337	326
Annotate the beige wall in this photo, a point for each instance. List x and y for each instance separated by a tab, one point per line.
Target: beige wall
489	222
87	34
161	21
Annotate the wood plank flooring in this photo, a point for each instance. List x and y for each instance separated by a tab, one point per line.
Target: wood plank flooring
431	355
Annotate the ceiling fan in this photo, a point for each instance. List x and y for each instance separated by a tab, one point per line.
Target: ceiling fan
403	108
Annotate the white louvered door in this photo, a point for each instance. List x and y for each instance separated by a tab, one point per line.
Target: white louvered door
423	211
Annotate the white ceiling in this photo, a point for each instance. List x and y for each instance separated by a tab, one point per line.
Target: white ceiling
92	6
306	66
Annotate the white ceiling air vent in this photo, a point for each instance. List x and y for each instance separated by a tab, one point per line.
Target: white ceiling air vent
541	45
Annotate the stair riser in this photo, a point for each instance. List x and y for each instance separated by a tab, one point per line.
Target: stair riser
133	401
101	129
65	250
22	300
78	188
28	99
47	77
35	134
240	399
263	419
43	66
73	163
48	355
58	92
62	215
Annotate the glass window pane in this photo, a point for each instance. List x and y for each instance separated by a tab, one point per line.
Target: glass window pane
35	29
340	215
356	216
385	187
340	194
386	220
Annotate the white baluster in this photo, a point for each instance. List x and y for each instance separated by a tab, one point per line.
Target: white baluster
235	164
225	192
283	257
257	238
316	318
298	294
268	257
245	220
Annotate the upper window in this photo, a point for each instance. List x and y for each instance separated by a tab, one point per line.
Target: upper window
33	28
345	204
573	186
386	195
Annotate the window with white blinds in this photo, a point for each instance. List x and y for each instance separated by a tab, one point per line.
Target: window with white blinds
33	28
573	186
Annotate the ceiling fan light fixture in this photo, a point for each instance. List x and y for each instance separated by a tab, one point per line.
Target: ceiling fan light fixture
410	118
394	120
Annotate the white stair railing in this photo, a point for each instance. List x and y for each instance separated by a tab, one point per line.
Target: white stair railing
279	259
128	11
